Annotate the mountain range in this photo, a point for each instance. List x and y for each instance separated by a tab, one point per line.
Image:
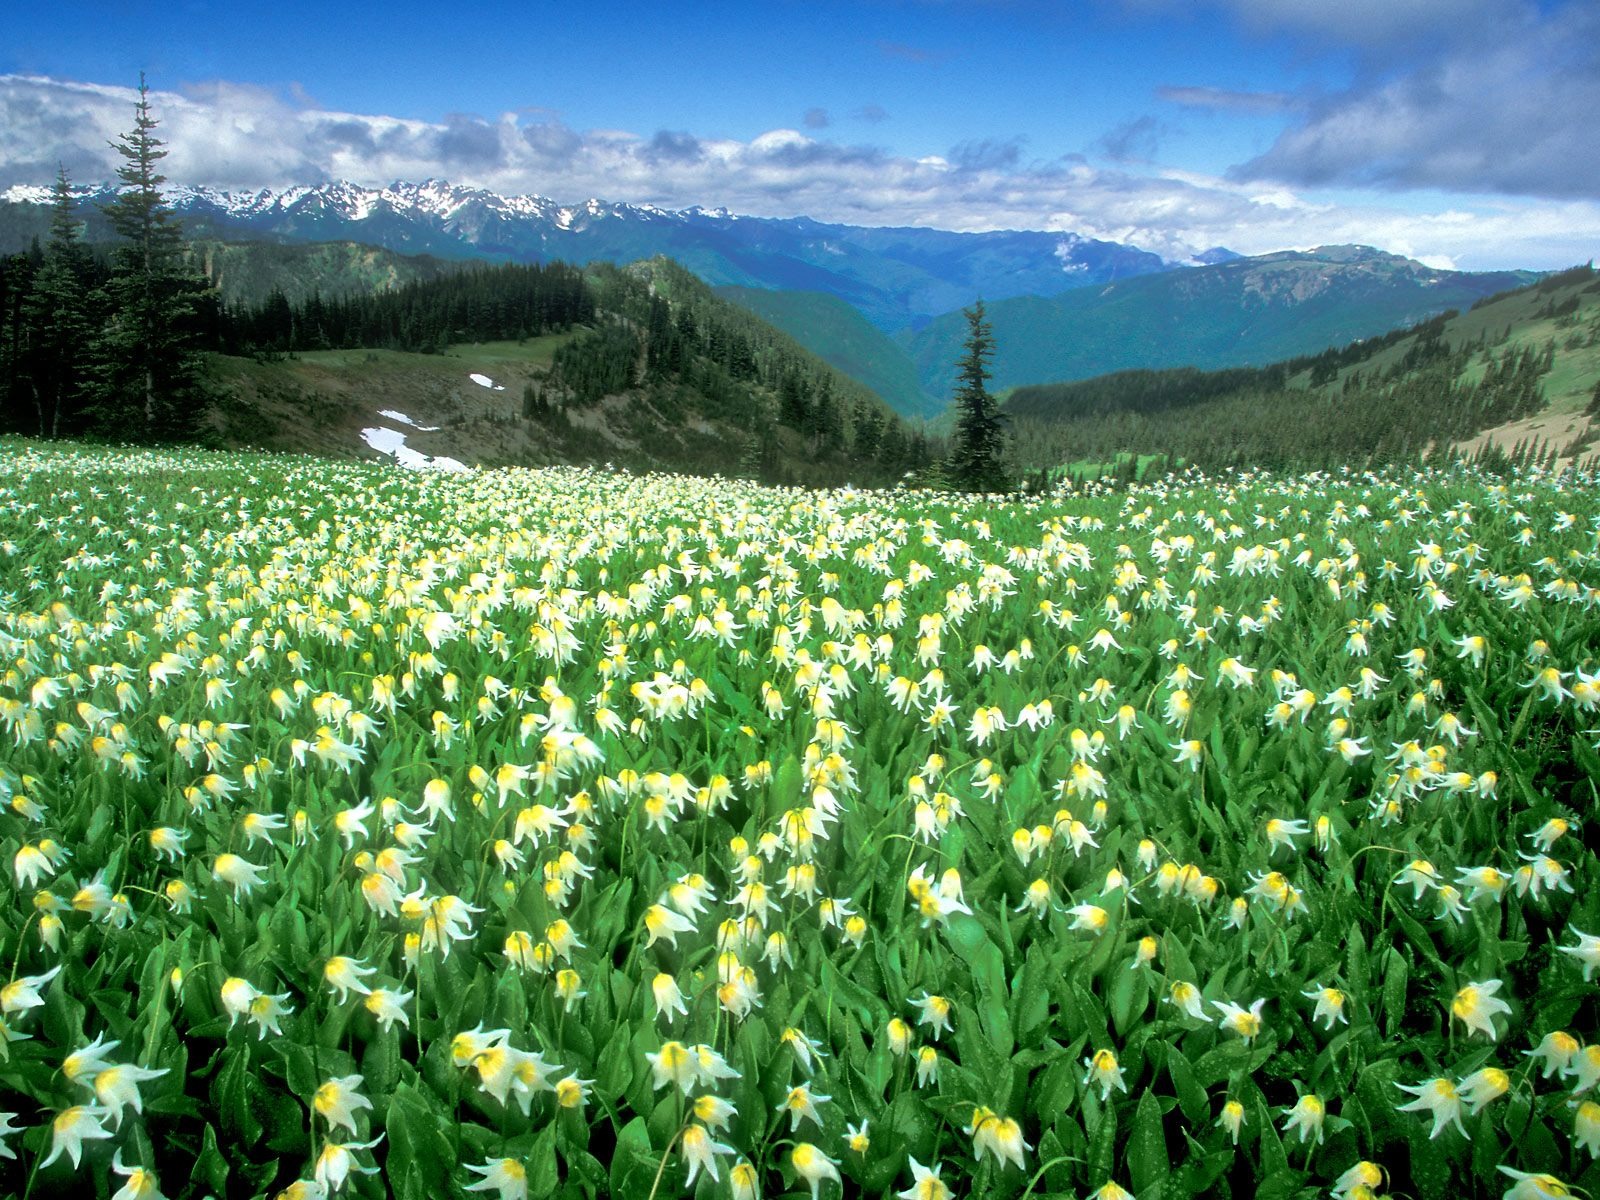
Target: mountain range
880	304
895	277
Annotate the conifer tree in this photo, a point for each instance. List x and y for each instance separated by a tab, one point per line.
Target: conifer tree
148	383
975	460
57	320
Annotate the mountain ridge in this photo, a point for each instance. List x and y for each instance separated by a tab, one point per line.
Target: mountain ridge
896	276
1063	306
1246	311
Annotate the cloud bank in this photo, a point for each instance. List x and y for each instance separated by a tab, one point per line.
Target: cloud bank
1471	96
237	137
1511	115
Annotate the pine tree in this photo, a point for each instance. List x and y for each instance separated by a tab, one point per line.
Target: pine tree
975	459
56	316
148	382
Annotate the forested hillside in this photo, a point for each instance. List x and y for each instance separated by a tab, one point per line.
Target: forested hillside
1526	360
842	335
640	365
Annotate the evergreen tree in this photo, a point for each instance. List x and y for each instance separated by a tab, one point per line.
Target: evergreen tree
975	458
148	383
16	282
56	318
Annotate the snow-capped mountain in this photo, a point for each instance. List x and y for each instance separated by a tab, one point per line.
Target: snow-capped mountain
897	277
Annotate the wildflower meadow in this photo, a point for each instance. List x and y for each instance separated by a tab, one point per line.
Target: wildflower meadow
570	833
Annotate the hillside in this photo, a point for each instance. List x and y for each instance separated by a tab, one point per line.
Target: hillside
1516	375
642	367
841	336
1245	311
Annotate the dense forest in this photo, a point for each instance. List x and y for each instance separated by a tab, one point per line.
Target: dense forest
490	304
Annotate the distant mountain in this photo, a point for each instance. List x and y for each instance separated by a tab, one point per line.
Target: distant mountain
1063	307
1238	312
895	277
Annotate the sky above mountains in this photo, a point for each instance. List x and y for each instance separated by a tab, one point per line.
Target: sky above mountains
1457	131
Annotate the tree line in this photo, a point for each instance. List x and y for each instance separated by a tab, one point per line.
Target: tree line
504	303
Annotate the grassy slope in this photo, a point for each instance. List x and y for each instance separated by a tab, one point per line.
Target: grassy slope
320	401
1515	321
1503	324
841	336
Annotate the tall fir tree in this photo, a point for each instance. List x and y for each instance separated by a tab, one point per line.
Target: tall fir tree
58	322
148	381
978	446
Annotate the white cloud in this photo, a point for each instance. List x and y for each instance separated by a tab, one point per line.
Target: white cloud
1501	109
237	137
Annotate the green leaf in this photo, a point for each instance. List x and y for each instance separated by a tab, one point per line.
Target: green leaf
1130	996
1396	975
911	1118
1191	1096
380	1065
543	1175
1102	1143
233	1094
1031	999
210	1168
633	1163
1218	1064
414	1129
1148	1163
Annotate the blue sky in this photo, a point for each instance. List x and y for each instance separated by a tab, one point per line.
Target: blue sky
1447	129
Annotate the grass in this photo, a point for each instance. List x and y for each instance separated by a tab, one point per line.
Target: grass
1023	839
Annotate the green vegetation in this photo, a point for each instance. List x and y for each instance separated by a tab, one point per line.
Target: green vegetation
570	834
1455	383
486	304
977	447
641	366
244	273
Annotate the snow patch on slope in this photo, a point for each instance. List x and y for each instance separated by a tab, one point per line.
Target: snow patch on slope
393	443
